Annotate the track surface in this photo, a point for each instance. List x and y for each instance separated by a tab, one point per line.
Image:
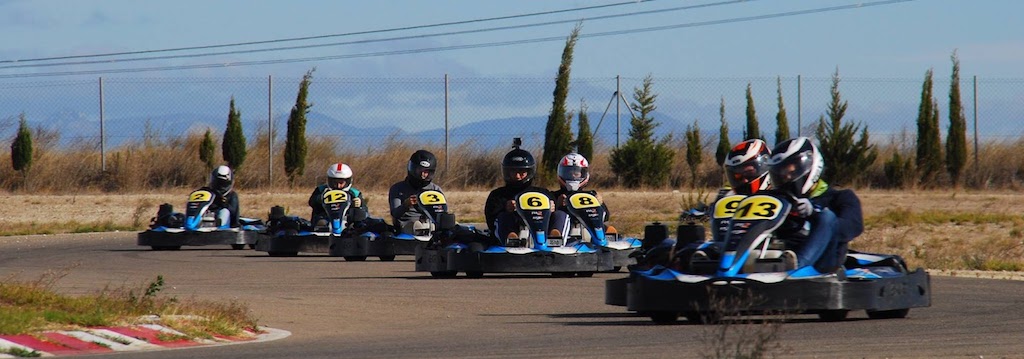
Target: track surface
378	309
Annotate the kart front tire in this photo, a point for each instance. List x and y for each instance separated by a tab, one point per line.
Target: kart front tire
833	315
664	318
387	258
238	247
889	314
444	274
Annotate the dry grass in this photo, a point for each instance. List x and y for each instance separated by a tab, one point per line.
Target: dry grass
940	230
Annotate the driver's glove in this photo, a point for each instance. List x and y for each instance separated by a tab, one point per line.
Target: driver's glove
803	207
358	202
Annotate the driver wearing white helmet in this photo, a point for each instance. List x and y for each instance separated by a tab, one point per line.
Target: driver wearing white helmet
339	177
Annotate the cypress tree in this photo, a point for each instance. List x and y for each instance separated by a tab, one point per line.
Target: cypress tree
694	151
584	139
21	147
753	129
558	132
206	150
233	147
846	159
929	143
781	122
723	136
956	137
295	139
643	160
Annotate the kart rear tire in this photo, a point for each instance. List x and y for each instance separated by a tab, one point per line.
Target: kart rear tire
238	247
283	254
252	246
474	274
616	269
585	274
889	314
833	315
444	274
166	248
355	258
387	258
664	318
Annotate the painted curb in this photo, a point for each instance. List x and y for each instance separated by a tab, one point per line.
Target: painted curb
143	337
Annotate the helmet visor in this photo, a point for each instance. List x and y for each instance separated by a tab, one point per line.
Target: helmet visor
337	183
572	173
791	169
747	172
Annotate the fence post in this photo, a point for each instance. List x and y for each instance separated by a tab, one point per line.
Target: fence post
799	105
618	122
270	131
975	122
103	144
446	124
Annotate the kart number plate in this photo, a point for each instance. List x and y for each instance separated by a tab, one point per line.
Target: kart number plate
200	196
584	200
430	198
534	201
758	208
335	196
726	206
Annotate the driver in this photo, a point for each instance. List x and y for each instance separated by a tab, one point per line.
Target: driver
339	177
403	195
518	169
573	174
834	215
225	202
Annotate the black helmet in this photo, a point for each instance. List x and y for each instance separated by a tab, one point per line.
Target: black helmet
221	180
420	161
515	160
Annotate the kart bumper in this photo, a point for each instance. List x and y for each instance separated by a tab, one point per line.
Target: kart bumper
178	238
466	260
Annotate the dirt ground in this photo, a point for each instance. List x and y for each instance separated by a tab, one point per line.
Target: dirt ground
949	245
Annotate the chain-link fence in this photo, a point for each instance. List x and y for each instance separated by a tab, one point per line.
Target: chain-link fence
442	111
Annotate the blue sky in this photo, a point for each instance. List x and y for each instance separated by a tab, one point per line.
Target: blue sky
894	40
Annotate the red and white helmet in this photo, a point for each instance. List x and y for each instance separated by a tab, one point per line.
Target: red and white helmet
573	171
339	176
747	166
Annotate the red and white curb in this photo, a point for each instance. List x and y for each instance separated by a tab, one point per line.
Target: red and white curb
143	337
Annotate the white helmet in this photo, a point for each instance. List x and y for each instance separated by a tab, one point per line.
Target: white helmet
221	179
339	174
795	166
573	171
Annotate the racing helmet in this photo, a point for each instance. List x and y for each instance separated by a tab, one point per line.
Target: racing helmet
796	166
221	180
419	162
746	165
573	171
518	160
339	176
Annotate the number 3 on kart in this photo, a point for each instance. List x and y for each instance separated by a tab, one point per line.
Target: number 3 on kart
758	208
430	198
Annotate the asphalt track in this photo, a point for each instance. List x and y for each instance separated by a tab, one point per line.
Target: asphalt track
372	309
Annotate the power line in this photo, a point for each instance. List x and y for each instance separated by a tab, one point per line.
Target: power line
467	46
397	38
368	32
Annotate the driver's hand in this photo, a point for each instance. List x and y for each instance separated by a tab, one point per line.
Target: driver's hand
411	201
358	202
510	205
803	207
561	200
552	203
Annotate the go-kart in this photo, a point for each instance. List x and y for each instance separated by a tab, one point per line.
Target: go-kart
171	230
749	276
456	249
431	206
587	225
287	236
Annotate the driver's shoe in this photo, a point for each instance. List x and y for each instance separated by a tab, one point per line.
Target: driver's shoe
512	240
610	230
788	258
555	233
